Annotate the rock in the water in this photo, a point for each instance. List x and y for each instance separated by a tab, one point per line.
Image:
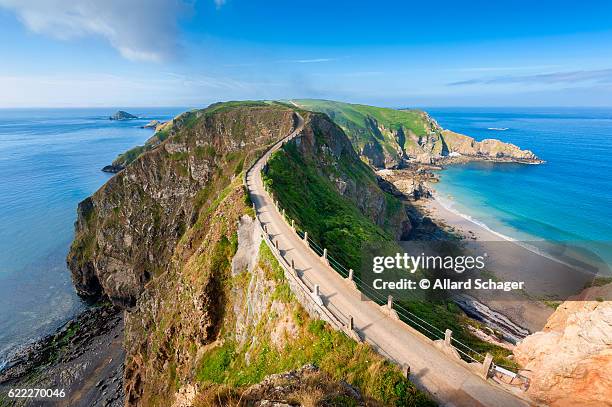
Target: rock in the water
113	169
122	115
152	124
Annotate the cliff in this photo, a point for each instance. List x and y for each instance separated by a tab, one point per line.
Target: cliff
209	314
126	231
571	358
321	182
390	138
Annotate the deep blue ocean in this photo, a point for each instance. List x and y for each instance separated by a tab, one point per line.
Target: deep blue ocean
569	198
50	160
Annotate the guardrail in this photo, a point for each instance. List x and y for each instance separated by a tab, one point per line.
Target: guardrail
343	322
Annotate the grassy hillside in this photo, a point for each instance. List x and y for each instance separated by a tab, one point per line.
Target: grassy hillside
389	131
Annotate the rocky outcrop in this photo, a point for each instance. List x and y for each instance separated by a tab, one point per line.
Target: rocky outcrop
462	145
570	360
126	232
122	115
153	124
112	169
305	386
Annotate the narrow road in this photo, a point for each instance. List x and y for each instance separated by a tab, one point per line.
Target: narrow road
449	381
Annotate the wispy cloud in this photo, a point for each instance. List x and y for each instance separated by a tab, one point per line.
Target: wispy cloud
502	68
220	3
141	30
569	77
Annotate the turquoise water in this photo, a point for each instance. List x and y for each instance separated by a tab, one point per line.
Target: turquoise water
49	161
569	198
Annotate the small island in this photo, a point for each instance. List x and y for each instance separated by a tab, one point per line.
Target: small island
122	115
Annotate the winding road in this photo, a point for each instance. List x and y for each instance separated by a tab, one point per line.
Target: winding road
450	381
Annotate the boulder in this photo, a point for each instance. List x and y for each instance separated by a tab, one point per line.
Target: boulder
571	358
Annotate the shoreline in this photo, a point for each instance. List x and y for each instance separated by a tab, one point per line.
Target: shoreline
521	310
84	356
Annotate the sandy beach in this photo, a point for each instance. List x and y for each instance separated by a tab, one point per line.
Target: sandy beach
509	262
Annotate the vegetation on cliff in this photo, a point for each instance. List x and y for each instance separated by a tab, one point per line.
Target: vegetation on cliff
126	232
388	138
161	238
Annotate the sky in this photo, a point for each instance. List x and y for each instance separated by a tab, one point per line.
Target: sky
90	53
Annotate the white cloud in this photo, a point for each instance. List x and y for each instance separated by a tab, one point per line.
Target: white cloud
220	3
141	30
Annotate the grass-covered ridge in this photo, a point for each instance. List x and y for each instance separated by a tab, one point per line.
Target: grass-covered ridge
391	129
187	120
323	185
332	220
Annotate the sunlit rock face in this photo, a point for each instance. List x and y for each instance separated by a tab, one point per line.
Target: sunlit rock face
570	360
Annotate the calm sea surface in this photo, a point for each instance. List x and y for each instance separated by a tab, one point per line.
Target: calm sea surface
567	199
50	160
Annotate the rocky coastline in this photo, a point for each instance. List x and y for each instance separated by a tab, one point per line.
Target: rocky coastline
84	357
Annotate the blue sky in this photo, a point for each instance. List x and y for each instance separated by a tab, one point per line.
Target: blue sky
404	53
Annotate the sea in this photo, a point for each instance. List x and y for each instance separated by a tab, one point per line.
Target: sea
567	199
50	160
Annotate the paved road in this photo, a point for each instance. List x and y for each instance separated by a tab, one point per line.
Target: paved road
449	381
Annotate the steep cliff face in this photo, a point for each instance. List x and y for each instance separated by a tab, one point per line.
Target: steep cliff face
325	146
389	138
210	313
224	318
126	232
571	358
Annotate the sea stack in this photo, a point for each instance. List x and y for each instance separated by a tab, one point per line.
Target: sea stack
122	115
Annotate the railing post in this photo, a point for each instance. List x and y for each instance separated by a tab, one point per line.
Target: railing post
390	302
325	255
350	323
292	265
283	213
306	237
293	224
265	228
350	276
486	365
448	334
317	291
406	370
276	244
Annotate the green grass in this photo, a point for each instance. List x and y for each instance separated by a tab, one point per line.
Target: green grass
354	120
310	198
